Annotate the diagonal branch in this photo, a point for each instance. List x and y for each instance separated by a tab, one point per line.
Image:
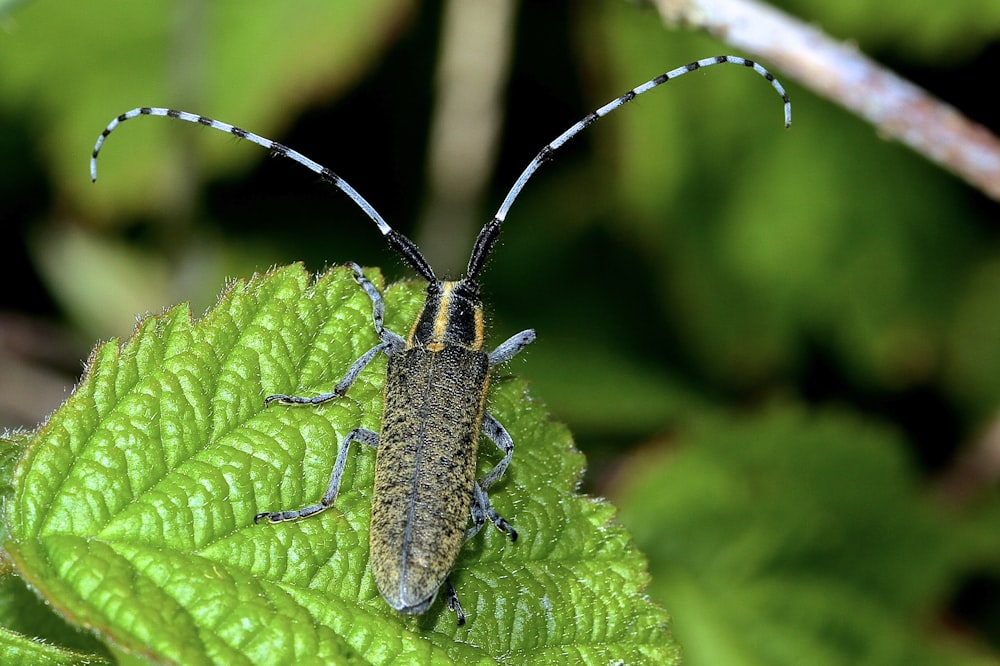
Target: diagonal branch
837	70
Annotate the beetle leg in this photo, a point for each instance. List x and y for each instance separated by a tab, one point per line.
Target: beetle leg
499	436
392	340
478	510
390	343
358	434
453	603
339	390
481	509
511	346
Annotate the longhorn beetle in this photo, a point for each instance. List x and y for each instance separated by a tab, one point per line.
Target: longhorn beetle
435	389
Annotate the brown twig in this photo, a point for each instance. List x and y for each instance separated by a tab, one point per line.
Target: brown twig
837	70
975	471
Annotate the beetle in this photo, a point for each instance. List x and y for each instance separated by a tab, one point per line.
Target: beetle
435	392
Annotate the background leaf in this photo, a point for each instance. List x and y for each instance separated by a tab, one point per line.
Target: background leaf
34	634
827	558
18	650
133	507
183	54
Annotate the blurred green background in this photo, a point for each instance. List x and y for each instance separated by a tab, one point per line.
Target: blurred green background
780	350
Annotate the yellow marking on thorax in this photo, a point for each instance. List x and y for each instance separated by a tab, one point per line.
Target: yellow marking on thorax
442	320
480	330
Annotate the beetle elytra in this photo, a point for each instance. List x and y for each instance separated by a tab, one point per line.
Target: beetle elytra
435	389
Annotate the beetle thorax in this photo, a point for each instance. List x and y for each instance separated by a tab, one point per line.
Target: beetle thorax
452	316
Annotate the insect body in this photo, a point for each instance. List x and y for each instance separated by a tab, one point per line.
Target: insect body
435	391
425	486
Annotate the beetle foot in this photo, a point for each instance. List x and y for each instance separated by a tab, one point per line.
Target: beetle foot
453	603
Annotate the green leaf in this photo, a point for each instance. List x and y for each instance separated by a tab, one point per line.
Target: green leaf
797	538
610	393
34	633
255	68
868	281
16	649
974	374
938	32
133	505
11	446
8	6
258	69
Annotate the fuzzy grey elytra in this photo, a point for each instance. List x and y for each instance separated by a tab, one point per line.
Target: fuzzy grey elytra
435	389
435	399
425	465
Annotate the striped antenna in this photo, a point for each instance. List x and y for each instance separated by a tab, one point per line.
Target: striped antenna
401	243
488	236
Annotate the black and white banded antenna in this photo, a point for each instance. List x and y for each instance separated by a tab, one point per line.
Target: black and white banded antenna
488	236
401	243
